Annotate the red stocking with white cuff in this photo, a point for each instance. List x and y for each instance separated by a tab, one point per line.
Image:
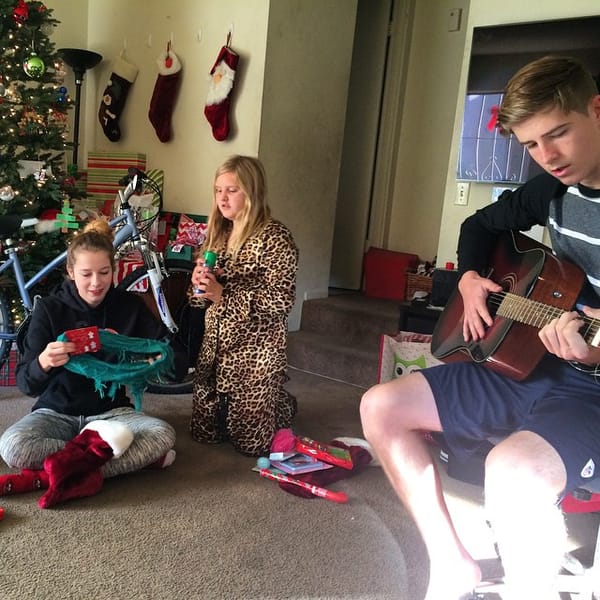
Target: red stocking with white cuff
164	95
75	471
218	100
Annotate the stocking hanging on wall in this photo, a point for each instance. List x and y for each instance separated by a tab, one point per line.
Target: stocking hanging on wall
164	95
218	100
114	97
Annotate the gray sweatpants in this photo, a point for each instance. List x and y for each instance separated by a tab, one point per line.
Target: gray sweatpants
26	444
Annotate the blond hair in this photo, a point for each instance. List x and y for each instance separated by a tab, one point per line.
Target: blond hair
251	178
544	84
96	236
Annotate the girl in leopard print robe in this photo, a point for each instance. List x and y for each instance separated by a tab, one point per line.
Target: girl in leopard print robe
238	392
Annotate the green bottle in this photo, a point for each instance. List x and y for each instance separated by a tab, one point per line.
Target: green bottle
210	262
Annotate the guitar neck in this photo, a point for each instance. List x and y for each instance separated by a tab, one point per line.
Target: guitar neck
538	314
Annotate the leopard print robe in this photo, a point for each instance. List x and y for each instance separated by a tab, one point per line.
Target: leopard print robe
238	392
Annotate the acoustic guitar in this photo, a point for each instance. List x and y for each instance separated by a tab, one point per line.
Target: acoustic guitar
537	287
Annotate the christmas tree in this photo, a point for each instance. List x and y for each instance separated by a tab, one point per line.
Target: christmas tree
33	124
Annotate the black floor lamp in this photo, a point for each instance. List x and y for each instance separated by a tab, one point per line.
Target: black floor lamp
80	61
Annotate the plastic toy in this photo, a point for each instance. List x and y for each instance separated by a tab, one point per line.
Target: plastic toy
276	475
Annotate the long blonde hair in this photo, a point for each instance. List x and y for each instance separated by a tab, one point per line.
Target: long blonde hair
251	178
96	236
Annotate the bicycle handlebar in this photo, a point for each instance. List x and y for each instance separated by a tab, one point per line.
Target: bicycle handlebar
134	181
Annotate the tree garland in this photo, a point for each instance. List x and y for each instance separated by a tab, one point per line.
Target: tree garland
138	361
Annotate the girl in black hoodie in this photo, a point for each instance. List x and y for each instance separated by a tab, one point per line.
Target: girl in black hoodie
67	402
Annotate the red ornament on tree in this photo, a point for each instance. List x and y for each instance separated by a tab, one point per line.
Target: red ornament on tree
21	12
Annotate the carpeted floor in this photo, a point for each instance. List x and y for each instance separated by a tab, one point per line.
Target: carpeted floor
210	528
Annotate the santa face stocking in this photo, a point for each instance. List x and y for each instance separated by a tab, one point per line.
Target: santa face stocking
165	94
218	100
114	96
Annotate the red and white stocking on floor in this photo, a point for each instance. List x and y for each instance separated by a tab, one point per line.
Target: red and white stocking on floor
75	471
113	99
165	94
218	100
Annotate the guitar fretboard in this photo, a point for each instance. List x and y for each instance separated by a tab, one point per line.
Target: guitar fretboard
538	314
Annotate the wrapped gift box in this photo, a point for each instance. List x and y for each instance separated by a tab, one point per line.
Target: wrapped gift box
182	234
126	265
7	372
385	273
105	169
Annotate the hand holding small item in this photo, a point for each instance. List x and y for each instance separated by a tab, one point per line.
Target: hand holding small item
55	354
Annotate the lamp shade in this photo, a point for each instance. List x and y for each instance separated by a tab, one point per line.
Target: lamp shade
79	60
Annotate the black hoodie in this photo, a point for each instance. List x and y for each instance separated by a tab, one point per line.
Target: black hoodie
60	389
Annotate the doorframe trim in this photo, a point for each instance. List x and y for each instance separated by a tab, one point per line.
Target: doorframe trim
396	72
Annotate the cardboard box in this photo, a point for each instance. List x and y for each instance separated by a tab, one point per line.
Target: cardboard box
385	273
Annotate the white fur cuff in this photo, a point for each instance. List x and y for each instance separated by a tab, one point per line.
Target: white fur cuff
117	435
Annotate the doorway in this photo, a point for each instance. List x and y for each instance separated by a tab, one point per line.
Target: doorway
381	43
360	142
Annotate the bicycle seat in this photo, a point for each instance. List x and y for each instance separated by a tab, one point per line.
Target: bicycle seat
9	224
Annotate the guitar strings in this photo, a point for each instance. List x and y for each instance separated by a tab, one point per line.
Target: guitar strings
539	314
591	325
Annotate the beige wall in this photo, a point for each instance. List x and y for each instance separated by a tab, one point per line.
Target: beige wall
198	30
285	105
426	128
309	54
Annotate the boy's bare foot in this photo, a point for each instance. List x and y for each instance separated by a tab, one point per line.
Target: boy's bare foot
453	580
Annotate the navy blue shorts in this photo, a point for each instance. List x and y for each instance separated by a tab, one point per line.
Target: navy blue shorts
558	402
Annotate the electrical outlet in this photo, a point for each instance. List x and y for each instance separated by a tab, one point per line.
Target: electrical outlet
462	193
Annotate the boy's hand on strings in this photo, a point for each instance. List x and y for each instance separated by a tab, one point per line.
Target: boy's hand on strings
474	290
55	354
562	337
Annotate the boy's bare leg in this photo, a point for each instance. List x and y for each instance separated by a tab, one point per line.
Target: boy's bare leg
394	415
524	477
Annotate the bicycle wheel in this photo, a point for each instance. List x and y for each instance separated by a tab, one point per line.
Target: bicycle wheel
191	324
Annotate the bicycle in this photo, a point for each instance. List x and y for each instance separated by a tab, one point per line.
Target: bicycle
162	284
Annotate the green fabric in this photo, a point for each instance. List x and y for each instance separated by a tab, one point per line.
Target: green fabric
131	368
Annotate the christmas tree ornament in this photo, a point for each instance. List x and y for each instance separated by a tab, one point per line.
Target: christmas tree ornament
115	94
65	219
47	29
6	193
21	12
61	94
218	100
164	95
59	70
34	66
